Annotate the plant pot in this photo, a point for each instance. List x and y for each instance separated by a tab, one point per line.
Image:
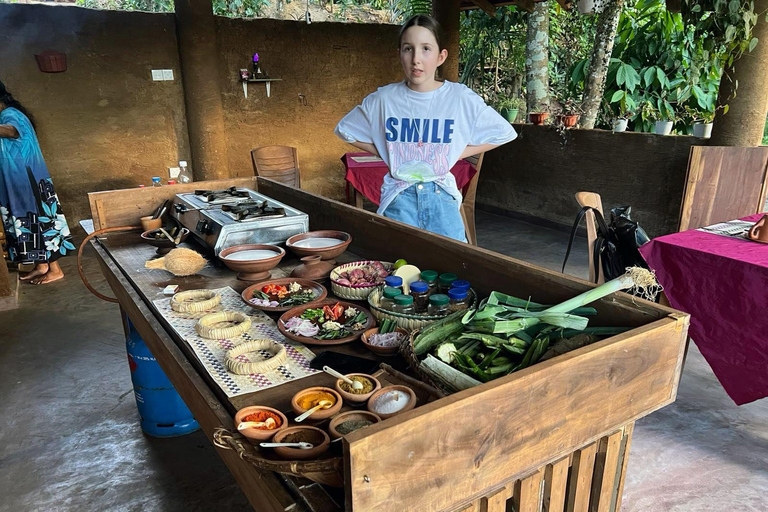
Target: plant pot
702	130
663	127
586	6
538	118
510	114
620	125
568	120
50	61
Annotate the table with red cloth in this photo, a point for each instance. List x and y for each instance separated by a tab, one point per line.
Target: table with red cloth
365	174
722	282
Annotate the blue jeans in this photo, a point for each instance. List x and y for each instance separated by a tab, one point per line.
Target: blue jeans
427	206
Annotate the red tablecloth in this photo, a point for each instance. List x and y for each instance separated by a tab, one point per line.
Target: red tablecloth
723	283
367	176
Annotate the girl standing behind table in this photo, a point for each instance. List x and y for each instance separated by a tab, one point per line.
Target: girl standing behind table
35	229
421	127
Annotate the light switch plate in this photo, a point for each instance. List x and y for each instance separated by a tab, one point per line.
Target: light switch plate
157	75
168	74
174	172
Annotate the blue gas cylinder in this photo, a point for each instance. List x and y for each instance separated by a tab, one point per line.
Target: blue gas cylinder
162	411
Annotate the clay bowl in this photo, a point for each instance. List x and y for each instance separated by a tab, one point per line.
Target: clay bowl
298	310
352	397
347	416
325	253
322	414
252	270
255	435
318	289
314	268
377	394
163	245
382	351
288	453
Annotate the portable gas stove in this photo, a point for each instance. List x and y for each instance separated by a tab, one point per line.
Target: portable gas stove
235	216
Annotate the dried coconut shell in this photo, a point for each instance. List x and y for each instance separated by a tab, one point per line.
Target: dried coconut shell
179	262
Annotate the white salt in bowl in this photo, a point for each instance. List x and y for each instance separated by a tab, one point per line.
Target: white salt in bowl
373	401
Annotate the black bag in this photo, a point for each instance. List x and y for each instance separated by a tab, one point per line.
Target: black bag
616	245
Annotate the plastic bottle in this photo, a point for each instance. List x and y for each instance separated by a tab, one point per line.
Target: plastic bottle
387	299
444	282
394	282
438	305
420	294
458	299
430	277
156	182
185	173
404	305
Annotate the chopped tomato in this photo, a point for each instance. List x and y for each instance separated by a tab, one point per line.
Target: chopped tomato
338	310
274	289
328	312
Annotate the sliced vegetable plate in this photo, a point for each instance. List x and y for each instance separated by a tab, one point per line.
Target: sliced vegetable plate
346	322
290	300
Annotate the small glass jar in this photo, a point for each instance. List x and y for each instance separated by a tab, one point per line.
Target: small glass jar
387	298
420	294
394	282
461	284
438	305
404	305
430	277
444	282
458	299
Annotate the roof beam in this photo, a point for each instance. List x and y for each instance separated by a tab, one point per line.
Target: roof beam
486	6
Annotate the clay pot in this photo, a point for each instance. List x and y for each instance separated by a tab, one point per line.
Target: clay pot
163	244
51	61
352	397
347	416
381	351
148	223
321	414
252	270
255	435
538	118
325	253
313	268
288	453
382	391
568	120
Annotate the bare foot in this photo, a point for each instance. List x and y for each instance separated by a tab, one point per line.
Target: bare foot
54	274
39	270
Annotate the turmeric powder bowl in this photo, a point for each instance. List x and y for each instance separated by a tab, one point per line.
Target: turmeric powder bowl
370	386
258	413
308	398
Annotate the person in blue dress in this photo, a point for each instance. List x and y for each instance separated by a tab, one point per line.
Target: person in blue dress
35	228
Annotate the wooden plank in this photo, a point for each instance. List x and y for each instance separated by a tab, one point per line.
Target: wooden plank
496	502
607	470
485	445
625	449
527	496
126	206
487	7
723	183
580	479
264	491
472	507
487	270
556	485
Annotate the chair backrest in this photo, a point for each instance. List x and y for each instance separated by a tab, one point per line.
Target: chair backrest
468	203
279	163
591	199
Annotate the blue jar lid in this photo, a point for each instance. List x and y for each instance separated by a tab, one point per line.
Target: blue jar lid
393	281
461	284
156	179
456	294
419	286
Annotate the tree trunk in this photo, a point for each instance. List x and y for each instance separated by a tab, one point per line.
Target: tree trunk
537	58
747	107
597	71
447	13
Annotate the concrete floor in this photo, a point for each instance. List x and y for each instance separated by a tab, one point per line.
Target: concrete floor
70	439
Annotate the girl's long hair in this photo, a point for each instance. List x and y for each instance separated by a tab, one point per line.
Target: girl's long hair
9	101
422	20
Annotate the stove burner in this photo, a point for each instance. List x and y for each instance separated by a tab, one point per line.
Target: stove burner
211	196
252	210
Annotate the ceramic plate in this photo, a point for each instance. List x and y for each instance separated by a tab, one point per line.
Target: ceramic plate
298	310
318	289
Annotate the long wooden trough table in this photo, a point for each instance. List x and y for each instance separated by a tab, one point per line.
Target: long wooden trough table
552	437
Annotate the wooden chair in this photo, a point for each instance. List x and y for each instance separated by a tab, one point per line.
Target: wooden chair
468	204
279	163
591	199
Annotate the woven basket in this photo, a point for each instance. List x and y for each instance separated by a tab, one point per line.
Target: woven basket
410	322
277	350
205	326
195	301
354	292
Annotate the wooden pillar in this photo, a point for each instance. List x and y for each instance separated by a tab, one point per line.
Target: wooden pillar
743	124
447	13
196	28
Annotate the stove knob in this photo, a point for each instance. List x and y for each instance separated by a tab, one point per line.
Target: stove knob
203	228
180	208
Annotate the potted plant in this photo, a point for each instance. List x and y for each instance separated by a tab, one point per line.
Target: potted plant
570	114
701	121
539	115
510	107
620	115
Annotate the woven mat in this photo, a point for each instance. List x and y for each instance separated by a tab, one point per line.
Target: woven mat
211	352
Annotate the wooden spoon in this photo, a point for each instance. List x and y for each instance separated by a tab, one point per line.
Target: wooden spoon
322	404
355	384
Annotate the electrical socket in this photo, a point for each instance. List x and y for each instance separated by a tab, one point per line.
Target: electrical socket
168	74
157	75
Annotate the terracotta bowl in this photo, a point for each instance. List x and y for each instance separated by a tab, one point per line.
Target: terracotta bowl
357	399
382	351
255	435
351	415
163	245
538	117
252	270
322	414
325	253
288	453
377	394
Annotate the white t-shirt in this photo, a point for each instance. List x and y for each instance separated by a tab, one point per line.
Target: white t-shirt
421	135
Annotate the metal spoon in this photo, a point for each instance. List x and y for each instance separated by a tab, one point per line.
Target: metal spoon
322	404
269	424
355	384
301	446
